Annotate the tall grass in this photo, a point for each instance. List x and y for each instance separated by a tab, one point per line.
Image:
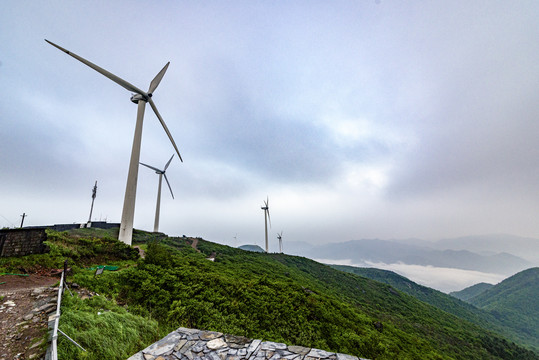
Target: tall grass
104	329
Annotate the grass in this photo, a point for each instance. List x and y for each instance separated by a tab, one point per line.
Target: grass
105	329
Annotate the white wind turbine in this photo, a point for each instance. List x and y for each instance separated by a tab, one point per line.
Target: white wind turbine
280	237
266	218
161	173
141	98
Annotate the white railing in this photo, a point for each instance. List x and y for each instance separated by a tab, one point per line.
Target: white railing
55	329
54	343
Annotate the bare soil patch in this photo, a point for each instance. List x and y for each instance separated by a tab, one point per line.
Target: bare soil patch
25	304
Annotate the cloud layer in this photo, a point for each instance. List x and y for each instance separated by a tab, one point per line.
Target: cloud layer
357	119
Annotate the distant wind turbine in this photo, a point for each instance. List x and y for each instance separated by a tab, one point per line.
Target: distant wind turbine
141	98
161	173
266	218
280	237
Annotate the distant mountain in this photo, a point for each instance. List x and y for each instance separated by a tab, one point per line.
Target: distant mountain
392	251
254	248
470	292
527	248
505	309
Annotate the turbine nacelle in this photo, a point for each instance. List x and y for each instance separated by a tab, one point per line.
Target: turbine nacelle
137	97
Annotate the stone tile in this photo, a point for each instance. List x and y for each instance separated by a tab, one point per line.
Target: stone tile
164	345
299	350
236	342
346	357
187	346
269	345
192	344
180	344
137	356
216	344
319	354
209	335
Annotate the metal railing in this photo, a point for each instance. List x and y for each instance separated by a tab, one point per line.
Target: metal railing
55	329
54	343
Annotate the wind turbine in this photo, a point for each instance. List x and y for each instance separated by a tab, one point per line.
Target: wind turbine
161	173
141	98
280	237
266	218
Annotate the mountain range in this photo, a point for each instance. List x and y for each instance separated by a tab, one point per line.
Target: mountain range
498	254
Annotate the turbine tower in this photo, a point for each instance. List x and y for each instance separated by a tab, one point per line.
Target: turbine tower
280	237
266	218
141	98
161	173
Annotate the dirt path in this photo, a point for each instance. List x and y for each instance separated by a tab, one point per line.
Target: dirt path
194	244
25	302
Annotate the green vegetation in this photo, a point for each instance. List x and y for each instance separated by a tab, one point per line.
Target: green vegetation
521	328
104	329
515	303
470	292
267	296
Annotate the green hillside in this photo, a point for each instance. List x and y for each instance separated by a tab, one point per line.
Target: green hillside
267	296
514	329
470	292
514	301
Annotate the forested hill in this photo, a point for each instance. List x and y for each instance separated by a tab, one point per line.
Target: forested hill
514	301
299	301
274	297
514	328
471	291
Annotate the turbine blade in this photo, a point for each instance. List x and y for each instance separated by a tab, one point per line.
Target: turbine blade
157	79
151	167
168	185
152	104
102	71
269	218
168	163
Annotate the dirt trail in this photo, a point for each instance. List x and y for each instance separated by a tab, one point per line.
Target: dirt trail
194	244
25	302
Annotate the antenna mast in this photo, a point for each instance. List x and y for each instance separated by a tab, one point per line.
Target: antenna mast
94	194
23	216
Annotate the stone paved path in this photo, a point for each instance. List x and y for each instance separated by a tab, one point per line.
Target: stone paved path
193	344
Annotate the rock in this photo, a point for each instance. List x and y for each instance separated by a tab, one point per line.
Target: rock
236	342
299	350
268	345
346	357
47	308
164	345
210	335
9	303
254	346
320	354
28	317
216	344
37	291
185	348
180	344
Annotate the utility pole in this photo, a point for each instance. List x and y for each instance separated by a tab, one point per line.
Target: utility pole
94	194
23	216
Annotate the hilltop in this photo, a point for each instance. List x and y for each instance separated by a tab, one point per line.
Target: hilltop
514	302
275	297
471	291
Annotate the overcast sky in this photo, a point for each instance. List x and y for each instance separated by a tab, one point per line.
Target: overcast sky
359	119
